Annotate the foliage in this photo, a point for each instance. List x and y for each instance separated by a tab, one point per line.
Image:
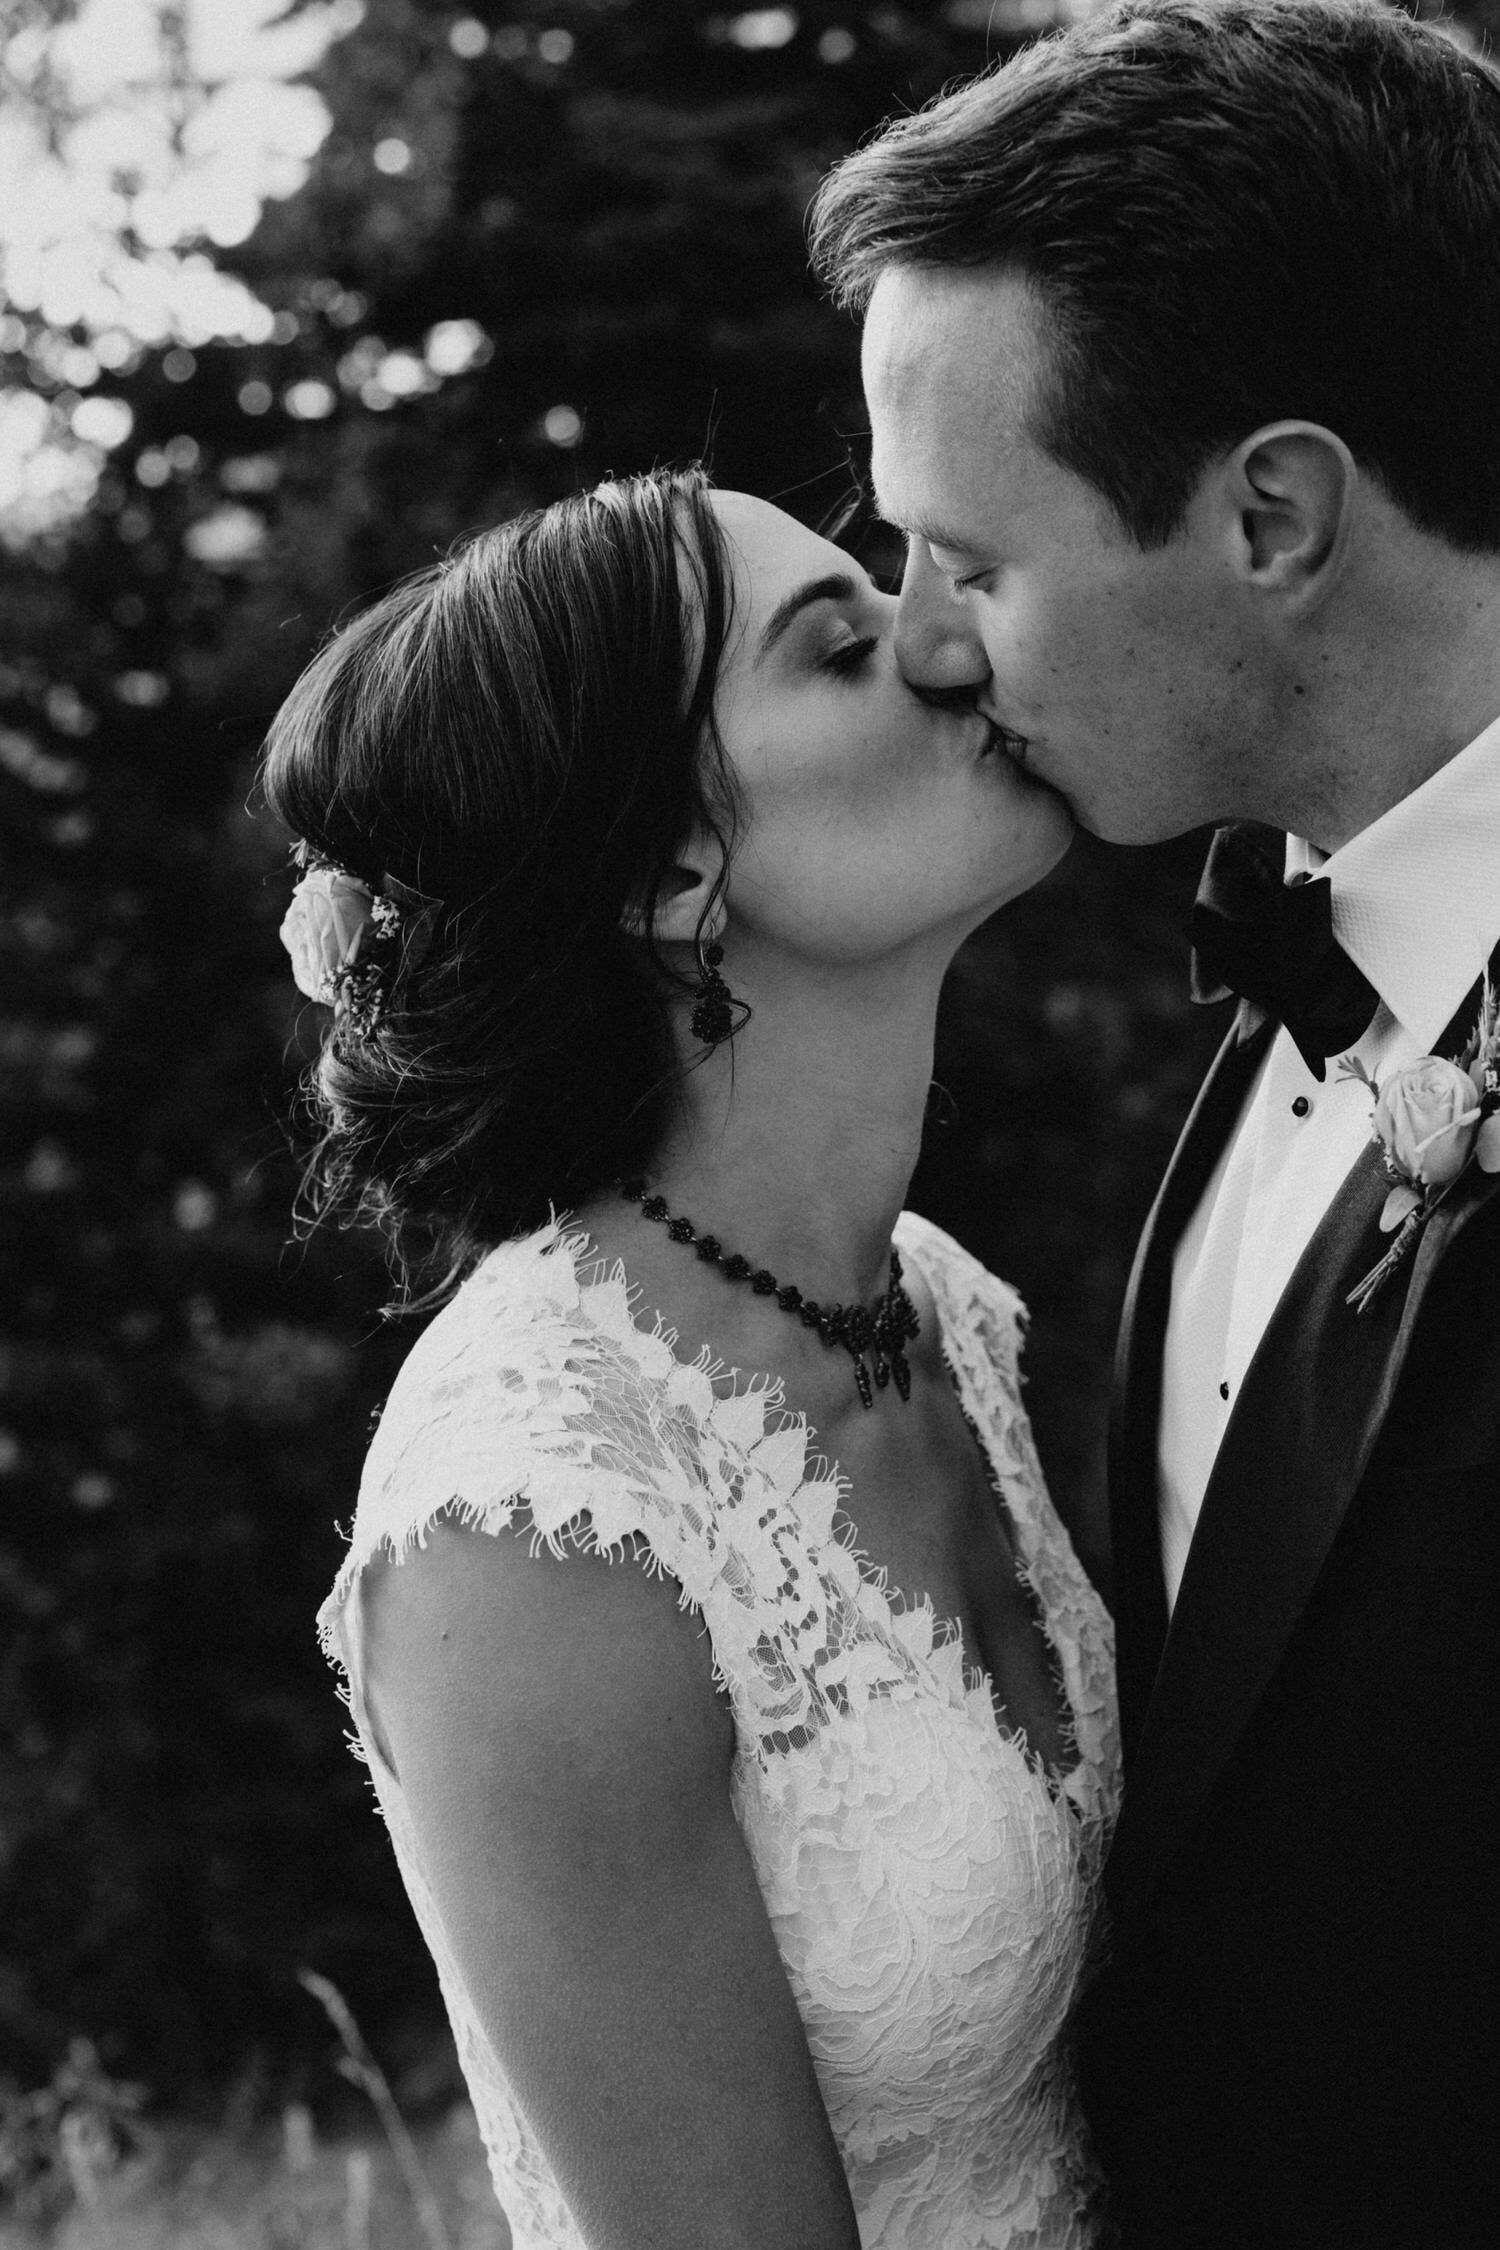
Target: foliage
282	2185
536	246
58	2139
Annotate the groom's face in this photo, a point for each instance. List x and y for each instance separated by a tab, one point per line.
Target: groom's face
1128	680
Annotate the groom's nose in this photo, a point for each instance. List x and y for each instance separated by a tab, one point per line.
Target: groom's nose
937	648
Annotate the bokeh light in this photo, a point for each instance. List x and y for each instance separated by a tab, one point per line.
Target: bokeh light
760	28
562	425
468	38
133	136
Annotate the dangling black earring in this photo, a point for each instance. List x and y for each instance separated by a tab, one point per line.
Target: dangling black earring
714	1004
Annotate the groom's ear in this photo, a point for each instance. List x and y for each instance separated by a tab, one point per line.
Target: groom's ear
1291	486
689	891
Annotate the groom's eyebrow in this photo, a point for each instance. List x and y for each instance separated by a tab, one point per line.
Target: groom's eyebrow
936	535
837	586
919	526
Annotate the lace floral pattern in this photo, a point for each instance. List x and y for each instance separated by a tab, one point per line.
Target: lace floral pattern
933	1894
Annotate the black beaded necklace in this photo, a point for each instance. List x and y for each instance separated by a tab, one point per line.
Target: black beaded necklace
884	1332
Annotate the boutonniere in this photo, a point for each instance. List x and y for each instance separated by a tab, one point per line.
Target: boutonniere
1433	1119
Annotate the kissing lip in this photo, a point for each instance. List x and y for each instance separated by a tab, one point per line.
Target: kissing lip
1011	745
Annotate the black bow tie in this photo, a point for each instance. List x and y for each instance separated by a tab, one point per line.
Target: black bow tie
1272	942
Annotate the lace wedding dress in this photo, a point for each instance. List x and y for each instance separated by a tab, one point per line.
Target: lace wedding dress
931	1888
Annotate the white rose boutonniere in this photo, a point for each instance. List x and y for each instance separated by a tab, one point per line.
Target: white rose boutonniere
1426	1119
1433	1119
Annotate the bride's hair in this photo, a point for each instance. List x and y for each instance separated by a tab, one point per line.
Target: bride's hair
523	733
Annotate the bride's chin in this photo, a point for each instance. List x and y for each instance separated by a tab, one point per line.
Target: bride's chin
1042	831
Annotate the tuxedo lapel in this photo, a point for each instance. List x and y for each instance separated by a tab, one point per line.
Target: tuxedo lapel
1140	1593
1295	1448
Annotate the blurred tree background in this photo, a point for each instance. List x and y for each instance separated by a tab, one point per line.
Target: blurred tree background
494	252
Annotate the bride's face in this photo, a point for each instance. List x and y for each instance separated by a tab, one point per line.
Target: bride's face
872	820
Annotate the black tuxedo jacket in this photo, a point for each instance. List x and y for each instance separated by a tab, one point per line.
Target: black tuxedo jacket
1298	2040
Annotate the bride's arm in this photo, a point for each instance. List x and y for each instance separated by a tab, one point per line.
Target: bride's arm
565	1757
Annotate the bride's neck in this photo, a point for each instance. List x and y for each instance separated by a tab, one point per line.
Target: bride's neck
795	1143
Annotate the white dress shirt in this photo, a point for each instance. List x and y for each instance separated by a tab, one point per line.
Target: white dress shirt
1416	903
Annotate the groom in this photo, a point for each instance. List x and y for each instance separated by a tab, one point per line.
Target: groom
1182	349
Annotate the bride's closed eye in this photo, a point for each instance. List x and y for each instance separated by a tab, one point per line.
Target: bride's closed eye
851	656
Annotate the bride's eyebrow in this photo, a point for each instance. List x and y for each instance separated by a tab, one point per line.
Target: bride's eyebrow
837	586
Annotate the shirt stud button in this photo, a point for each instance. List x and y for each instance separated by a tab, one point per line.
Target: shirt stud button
1301	1106
1223	1390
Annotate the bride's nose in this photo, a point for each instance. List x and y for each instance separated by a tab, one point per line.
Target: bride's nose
939	654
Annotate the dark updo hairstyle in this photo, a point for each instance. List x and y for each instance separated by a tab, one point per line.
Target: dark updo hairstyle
524	733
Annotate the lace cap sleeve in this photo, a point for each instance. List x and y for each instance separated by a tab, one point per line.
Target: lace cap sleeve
501	1402
971	1298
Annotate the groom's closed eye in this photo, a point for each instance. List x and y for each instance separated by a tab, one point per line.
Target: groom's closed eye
962	563
953	557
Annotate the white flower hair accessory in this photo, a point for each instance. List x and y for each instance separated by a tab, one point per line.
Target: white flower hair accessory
346	940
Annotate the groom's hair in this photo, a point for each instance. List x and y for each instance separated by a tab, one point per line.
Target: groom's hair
1232	212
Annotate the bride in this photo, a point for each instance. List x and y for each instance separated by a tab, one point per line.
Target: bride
740	1713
